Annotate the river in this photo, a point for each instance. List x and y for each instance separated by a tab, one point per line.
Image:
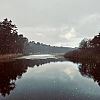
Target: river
45	77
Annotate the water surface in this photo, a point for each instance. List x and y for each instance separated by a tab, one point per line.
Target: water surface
48	79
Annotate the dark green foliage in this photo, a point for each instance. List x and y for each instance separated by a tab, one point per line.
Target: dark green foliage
10	41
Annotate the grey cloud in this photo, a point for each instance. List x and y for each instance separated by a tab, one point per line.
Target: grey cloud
47	12
49	21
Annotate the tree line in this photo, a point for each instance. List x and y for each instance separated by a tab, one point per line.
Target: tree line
10	41
41	48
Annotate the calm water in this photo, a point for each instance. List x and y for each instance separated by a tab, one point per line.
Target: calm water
49	79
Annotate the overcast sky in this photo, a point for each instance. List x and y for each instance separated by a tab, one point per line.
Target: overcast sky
54	22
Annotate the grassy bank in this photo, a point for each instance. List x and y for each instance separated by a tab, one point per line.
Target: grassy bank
59	55
9	57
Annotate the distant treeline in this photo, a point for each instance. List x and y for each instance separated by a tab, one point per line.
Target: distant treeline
88	49
41	48
12	42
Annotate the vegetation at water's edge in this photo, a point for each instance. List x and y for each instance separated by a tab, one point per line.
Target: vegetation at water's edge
10	41
88	49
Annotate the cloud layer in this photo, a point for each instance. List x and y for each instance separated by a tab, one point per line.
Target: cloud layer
54	22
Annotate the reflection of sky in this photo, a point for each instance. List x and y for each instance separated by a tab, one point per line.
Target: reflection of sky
48	71
55	81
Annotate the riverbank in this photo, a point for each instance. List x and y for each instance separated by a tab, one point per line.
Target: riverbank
59	55
9	57
80	55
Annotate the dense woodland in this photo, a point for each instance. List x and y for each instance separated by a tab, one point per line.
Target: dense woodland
13	43
88	49
10	41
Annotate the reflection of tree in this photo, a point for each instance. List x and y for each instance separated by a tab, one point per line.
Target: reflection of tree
10	71
38	62
91	69
88	68
8	75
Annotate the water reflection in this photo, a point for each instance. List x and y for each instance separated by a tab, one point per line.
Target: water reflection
89	68
55	77
11	71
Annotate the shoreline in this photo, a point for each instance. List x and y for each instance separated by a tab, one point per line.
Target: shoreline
59	55
9	57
